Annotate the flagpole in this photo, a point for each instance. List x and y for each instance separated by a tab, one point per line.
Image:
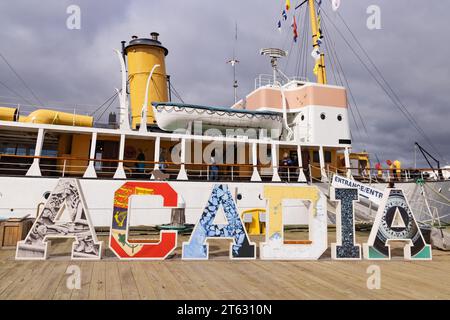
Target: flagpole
321	75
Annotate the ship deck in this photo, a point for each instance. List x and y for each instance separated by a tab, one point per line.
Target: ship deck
220	278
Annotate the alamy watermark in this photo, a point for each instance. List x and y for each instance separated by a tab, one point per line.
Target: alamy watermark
73	281
73	21
374	280
374	19
230	146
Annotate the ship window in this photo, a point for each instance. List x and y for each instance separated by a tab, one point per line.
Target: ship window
49	153
21	151
302	117
339	117
326	155
322	116
8	149
316	158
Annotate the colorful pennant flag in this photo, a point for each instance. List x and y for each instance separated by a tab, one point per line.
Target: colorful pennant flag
284	14
315	54
279	25
316	67
319	33
294	29
288	4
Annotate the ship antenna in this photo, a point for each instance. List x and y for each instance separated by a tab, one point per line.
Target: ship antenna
274	55
233	63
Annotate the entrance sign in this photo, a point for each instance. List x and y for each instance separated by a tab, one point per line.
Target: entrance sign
65	215
140	249
395	221
276	246
241	248
365	191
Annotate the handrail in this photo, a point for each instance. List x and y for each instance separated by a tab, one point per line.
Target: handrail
198	170
144	162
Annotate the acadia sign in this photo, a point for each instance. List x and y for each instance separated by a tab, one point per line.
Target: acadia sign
394	222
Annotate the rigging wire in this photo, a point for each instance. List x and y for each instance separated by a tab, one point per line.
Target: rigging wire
344	82
107	108
104	103
299	46
304	48
308	27
21	79
399	106
176	94
361	118
388	85
353	99
58	102
329	51
18	94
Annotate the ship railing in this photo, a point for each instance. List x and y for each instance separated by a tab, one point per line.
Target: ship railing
19	165
264	80
371	175
386	175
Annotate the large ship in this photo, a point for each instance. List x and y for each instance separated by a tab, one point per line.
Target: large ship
285	131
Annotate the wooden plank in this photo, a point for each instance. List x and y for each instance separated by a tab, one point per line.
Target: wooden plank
127	282
113	287
97	289
86	276
220	278
28	281
48	288
199	288
143	283
62	292
160	284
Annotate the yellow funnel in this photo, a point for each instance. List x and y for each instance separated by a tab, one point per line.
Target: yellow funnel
142	55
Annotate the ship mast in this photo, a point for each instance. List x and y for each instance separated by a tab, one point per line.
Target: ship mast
233	63
321	74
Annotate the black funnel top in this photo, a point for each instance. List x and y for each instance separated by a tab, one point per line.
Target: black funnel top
153	41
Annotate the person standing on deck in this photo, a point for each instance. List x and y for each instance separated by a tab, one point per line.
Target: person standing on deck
162	160
286	162
214	169
140	165
398	169
379	169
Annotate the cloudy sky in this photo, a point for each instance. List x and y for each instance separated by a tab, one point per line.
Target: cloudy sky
78	69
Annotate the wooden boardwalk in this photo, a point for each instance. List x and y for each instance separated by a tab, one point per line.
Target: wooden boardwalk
220	278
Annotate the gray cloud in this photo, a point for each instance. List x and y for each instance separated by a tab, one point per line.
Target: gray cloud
77	68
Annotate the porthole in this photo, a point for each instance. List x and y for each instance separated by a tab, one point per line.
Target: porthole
322	116
46	194
302	117
339	117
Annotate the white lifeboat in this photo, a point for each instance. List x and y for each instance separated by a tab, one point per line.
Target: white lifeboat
173	116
